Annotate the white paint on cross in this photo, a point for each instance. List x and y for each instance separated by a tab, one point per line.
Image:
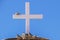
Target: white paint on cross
27	16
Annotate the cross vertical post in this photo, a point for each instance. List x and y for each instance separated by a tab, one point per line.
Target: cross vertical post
27	11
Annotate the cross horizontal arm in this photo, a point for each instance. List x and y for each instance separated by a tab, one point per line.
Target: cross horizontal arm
36	16
19	16
30	16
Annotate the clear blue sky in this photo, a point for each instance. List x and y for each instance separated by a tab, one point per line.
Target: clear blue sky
48	27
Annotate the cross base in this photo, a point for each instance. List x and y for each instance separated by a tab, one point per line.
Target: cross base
27	37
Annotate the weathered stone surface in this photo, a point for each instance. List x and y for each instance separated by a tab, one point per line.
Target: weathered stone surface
26	37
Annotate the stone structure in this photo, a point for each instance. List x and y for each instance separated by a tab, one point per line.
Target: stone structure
26	37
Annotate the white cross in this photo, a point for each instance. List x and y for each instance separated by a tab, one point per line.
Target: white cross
27	16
